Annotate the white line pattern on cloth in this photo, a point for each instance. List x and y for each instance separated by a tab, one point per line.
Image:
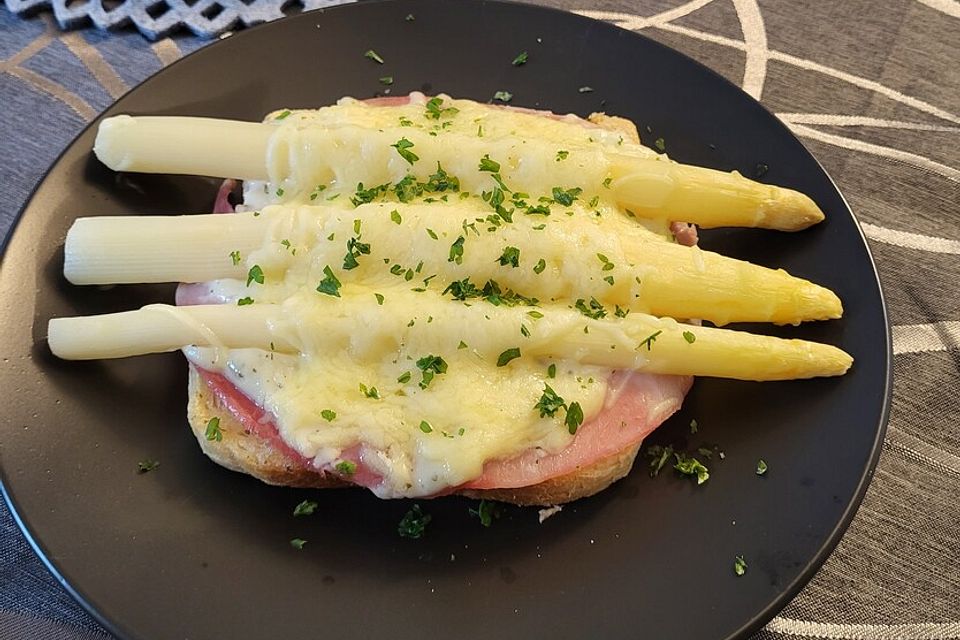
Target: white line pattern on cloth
99	68
166	51
916	450
755	45
919	631
831	120
877	150
949	7
909	240
922	338
809	65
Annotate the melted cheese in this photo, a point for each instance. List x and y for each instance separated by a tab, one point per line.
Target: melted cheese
425	438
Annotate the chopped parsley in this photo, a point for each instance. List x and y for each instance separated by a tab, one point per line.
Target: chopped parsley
562	155
552	371
280	192
244	301
329	415
761	467
441	181
520	59
404	377
659	455
213	432
486	511
507	356
413	523
283	114
456	251
605	261
510	256
620	312
503	96
430	366
574	417
403	147
355	249
147	465
425	427
316	192
690	466
609	280
235	257
305	508
566	196
346	467
689	337
387	80
607	181
486	164
363	196
255	275
540	266
549	403
329	285
432	234
369	392
739	566
373	55
379	297
595	310
462	345
435	112
297	543
649	340
395	216
694	426
660	145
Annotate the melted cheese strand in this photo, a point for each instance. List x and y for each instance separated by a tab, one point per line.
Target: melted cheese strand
294	244
320	325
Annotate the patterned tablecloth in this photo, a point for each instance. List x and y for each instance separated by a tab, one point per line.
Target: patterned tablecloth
873	90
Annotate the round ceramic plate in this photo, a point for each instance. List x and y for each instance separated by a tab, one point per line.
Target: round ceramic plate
193	550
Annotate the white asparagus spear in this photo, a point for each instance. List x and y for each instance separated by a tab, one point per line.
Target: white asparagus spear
302	158
139	249
676	281
184	145
319	325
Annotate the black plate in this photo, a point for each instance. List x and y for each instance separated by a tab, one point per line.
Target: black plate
192	550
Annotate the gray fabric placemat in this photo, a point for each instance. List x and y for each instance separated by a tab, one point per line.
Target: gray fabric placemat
872	89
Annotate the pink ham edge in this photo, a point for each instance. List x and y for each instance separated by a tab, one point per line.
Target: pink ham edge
640	402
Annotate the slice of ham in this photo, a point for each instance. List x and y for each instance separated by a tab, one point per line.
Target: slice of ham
641	403
637	403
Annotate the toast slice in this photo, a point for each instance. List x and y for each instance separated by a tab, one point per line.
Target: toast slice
248	453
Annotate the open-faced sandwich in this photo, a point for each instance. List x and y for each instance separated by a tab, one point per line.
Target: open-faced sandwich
426	296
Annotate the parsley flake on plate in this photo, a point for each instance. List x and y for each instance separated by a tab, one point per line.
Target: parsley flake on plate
503	96
297	543
147	465
414	523
305	508
520	59
373	55
739	566
761	467
486	511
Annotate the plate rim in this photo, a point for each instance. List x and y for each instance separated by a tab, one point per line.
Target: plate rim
763	616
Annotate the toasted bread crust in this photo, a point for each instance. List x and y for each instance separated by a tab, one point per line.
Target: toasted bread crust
616	123
248	453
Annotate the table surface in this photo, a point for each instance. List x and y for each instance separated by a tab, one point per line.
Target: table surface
872	89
